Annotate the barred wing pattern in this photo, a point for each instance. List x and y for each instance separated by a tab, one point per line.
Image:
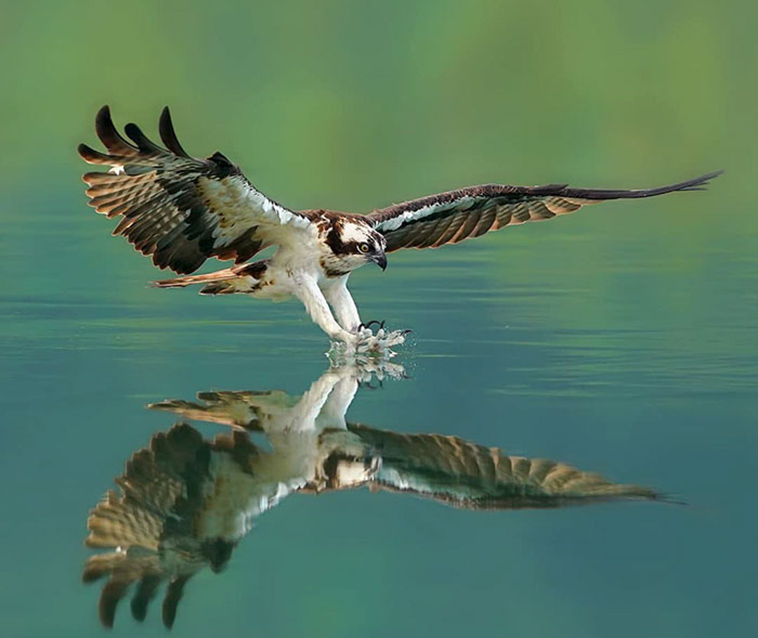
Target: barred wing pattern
456	215
179	209
248	410
460	473
443	468
185	502
164	525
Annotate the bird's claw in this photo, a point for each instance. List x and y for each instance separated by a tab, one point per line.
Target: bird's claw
369	372
379	342
364	343
367	326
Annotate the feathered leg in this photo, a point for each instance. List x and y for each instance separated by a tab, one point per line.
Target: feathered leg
341	301
308	291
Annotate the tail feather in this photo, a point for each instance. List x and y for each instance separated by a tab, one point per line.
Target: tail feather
220	288
239	279
208	279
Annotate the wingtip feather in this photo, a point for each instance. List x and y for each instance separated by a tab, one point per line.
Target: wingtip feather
103	114
696	184
104	126
143	142
701	183
91	156
168	134
108	134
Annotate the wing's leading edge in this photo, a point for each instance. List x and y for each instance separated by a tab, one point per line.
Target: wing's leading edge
447	218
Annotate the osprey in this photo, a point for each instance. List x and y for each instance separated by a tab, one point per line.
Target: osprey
183	210
186	502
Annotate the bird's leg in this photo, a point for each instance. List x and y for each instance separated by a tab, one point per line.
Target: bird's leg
308	291
333	412
342	303
314	401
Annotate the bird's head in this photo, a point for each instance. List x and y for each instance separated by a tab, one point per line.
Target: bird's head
351	244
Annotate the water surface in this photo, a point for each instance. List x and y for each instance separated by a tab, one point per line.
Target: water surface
620	340
644	374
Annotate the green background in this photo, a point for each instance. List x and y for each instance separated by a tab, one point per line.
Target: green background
621	339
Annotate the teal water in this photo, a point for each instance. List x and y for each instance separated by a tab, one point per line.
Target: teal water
620	340
657	389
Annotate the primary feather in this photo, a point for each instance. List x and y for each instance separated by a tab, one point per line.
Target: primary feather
179	209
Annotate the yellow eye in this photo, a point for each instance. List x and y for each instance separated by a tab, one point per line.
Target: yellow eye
364	248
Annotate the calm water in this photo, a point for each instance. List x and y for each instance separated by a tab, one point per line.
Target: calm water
620	340
632	360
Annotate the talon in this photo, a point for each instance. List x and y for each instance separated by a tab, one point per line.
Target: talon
367	326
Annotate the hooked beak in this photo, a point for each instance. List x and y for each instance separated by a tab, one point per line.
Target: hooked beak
380	260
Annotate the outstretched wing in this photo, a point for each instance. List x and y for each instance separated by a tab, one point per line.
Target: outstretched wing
451	217
247	410
179	498
179	209
470	476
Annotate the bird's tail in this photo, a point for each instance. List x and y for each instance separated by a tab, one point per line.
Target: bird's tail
223	282
239	279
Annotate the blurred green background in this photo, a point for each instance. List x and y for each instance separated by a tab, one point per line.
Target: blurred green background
353	106
621	339
356	105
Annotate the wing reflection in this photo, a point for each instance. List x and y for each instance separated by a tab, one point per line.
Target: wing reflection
184	502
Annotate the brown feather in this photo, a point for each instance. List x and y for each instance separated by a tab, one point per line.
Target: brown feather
151	523
464	474
168	211
168	136
456	215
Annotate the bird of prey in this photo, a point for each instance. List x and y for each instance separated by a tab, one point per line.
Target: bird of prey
183	210
185	502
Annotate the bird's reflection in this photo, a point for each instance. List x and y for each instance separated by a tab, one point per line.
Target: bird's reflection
185	501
